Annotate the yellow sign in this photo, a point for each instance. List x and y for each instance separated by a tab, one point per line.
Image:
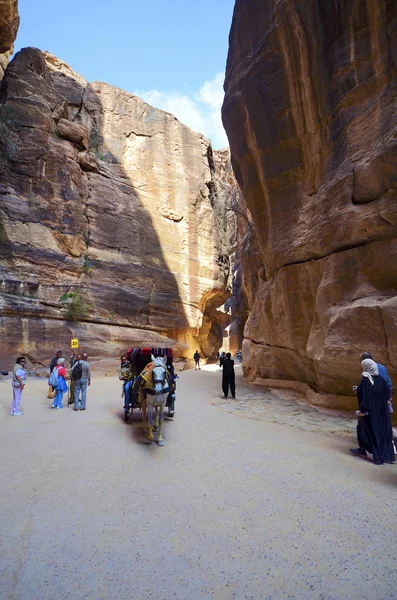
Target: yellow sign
74	343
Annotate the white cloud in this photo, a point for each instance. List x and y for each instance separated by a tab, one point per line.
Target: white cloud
201	111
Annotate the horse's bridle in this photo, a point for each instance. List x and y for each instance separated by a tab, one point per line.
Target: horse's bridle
162	380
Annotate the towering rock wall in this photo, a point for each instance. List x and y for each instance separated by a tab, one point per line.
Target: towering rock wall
311	115
110	224
9	23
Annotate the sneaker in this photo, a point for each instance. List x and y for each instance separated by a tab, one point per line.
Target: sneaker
75	409
11	413
59	407
53	406
358	451
82	408
17	413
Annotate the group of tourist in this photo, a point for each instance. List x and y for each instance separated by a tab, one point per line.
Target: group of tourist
80	376
80	379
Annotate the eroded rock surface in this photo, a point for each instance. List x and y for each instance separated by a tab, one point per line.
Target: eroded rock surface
310	111
111	229
9	23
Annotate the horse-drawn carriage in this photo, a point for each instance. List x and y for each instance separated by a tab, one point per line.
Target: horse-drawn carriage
150	385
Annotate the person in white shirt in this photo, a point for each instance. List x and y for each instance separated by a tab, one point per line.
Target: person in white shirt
18	383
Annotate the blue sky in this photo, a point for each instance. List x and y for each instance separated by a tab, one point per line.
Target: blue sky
171	53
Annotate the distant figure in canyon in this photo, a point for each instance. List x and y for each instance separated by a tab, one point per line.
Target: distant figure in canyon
196	357
228	378
53	364
374	430
18	384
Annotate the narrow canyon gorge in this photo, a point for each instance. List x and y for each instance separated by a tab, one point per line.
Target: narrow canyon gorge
121	226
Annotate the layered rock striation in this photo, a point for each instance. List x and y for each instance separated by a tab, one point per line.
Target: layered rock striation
310	111
110	225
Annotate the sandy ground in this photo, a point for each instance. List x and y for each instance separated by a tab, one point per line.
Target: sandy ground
252	499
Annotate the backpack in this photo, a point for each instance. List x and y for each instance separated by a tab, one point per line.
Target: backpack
53	380
77	371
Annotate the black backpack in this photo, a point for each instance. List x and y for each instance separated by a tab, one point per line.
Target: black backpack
77	371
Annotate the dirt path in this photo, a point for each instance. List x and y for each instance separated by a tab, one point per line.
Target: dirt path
253	499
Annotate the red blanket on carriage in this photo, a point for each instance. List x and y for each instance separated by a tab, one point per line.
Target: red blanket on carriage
132	352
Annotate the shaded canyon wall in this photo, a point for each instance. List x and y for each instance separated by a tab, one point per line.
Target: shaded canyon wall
111	227
311	114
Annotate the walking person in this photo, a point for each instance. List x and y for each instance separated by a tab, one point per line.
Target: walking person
18	384
53	364
61	386
228	377
196	357
81	383
374	430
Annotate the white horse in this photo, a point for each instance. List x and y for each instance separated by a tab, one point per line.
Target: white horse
155	398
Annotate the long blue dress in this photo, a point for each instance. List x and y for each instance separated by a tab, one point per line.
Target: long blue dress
374	431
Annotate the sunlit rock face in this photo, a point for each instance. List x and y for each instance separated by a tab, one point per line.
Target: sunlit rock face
9	22
111	229
310	112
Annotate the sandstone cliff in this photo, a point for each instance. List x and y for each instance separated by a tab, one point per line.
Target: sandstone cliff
310	111
9	23
111	224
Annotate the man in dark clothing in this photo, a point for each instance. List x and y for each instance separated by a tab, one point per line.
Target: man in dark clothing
196	357
54	361
53	364
73	359
228	378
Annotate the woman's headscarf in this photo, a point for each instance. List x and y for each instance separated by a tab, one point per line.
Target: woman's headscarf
370	368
